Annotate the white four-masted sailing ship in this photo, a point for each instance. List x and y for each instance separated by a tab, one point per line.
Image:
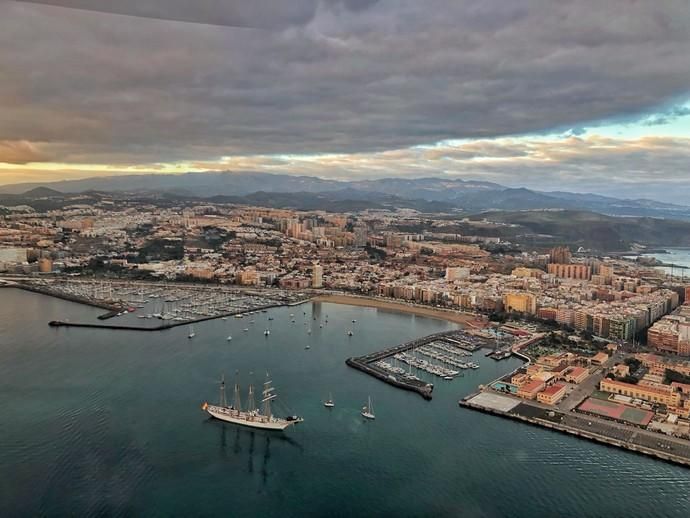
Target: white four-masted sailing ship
252	417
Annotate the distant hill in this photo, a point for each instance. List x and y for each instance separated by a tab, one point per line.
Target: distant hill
41	192
592	230
346	200
467	195
197	184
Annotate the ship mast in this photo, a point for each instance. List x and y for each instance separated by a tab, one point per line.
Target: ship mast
237	400
222	403
268	395
250	399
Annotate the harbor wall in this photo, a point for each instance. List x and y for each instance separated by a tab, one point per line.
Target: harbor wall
161	327
583	434
423	390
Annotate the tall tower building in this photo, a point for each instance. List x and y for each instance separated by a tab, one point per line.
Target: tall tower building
317	276
560	255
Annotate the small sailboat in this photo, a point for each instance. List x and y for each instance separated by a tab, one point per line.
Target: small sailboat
329	402
191	334
350	333
267	332
229	338
368	410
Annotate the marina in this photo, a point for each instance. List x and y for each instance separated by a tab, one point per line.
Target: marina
163	301
159	306
442	355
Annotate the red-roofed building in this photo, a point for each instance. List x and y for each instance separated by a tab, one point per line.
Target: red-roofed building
530	389
553	394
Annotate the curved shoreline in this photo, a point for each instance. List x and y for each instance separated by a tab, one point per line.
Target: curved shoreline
457	317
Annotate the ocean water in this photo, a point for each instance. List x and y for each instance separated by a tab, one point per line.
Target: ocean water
675	256
108	423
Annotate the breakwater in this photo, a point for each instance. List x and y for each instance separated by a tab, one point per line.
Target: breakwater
420	387
163	326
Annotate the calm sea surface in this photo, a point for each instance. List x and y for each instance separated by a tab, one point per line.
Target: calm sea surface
105	423
676	256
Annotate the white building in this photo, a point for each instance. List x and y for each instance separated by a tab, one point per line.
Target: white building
457	273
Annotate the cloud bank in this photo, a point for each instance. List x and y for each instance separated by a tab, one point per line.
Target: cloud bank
339	77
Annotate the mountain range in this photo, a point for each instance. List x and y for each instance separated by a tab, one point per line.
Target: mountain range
307	192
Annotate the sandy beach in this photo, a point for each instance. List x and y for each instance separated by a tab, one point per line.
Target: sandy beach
442	314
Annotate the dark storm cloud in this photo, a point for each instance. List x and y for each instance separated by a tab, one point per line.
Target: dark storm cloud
325	76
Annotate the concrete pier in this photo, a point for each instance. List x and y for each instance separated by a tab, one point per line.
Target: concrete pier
668	449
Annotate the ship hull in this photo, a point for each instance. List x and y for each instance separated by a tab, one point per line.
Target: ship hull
243	419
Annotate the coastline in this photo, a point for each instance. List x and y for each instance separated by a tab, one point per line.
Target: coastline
464	319
555	423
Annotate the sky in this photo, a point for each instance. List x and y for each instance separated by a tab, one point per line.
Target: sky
585	96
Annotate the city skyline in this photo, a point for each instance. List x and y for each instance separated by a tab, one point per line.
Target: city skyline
552	97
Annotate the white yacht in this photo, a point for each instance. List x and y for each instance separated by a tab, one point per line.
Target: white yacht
368	410
329	403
